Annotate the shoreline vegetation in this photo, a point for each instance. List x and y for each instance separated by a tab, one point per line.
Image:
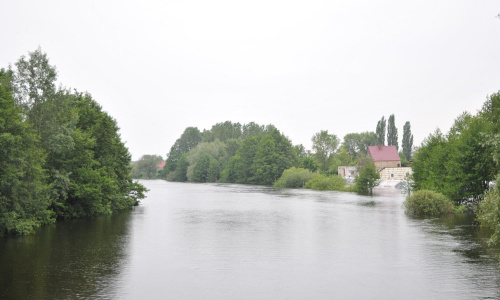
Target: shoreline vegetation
61	155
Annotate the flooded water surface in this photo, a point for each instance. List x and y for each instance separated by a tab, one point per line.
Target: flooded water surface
216	241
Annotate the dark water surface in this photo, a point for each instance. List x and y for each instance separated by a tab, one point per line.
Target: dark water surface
214	241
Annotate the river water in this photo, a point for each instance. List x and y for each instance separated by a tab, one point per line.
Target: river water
217	241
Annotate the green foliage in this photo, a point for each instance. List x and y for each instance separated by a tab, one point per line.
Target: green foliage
189	139
392	133
488	213
459	165
33	84
260	159
355	143
367	176
407	141
324	144
308	163
223	132
215	150
404	161
146	167
380	131
80	168
294	178
326	183
180	172
426	203
206	169
24	195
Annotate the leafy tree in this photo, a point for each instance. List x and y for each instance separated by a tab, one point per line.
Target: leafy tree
200	172
33	84
24	196
407	142
260	159
458	165
367	176
146	166
404	161
82	168
380	131
275	154
238	169
309	163
223	132
392	133
324	144
180	172
189	139
252	129
358	142
216	150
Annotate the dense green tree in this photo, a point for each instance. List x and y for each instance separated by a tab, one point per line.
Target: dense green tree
380	131
223	132
189	139
260	159
216	150
407	142
392	132
33	84
354	143
238	169
458	165
180	172
324	144
252	129
79	168
367	176
200	172
404	161
24	195
274	154
146	167
309	163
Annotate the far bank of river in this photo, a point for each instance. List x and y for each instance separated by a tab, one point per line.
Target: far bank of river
225	241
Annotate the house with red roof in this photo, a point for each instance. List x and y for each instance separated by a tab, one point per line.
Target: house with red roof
161	165
384	156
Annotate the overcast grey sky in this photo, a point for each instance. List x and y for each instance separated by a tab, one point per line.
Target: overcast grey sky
158	67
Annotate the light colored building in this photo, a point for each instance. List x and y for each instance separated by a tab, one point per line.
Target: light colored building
347	171
395	173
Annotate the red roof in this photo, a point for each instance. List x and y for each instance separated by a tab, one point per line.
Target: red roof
161	165
383	153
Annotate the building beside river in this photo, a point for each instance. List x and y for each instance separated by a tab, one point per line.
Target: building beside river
387	162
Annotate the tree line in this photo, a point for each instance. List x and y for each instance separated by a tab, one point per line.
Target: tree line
257	154
61	154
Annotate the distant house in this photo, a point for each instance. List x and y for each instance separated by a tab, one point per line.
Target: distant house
384	156
161	165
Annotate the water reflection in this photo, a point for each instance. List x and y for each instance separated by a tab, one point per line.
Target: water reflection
76	259
217	241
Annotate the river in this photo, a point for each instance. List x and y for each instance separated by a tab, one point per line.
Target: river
218	241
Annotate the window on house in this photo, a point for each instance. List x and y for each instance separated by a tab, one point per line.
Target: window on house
392	175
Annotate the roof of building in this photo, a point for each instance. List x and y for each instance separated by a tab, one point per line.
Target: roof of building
383	153
161	165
